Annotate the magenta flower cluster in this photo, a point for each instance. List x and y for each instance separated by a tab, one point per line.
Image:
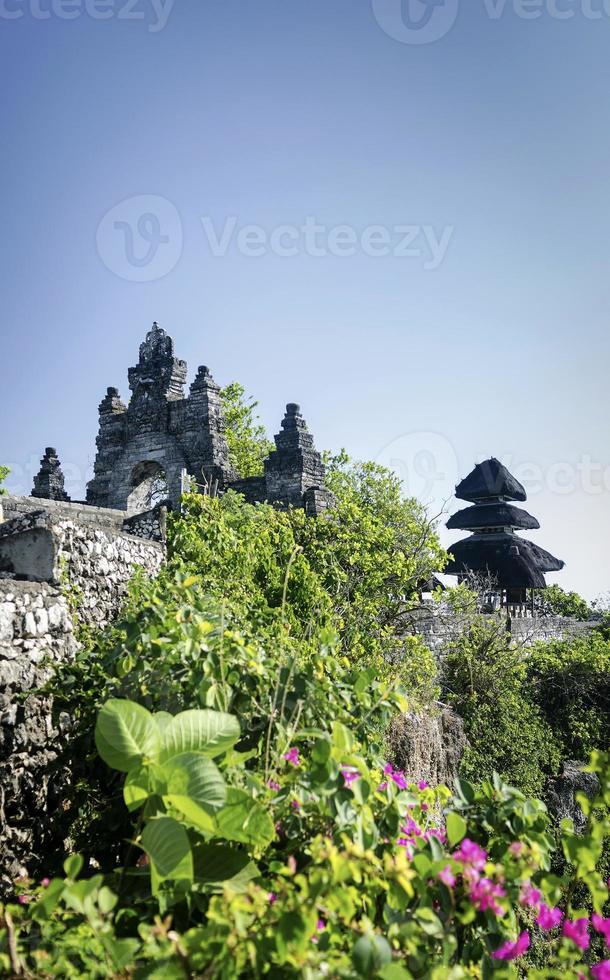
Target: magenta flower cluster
512	950
482	891
350	775
396	776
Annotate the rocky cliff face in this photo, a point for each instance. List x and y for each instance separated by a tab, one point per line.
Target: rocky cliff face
428	745
562	790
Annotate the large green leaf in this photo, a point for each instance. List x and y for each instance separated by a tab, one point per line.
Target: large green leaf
167	845
456	828
195	787
136	789
126	734
370	954
205	731
244	820
218	865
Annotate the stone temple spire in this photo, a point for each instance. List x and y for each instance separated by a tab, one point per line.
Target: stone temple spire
49	481
158	375
296	466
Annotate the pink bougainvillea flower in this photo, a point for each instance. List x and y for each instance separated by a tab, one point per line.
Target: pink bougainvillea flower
382	786
350	775
602	926
24	900
408	846
292	756
271	783
601	971
295	804
422	784
411	828
447	877
530	897
471	854
439	832
278	827
272	898
510	951
45	882
320	925
549	918
425	807
396	776
516	848
483	895
577	932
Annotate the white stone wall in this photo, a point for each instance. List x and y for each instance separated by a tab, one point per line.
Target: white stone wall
90	567
36	631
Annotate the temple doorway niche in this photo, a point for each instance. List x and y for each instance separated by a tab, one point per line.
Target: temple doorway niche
149	487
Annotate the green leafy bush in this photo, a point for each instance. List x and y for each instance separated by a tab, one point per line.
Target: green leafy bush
485	679
246	436
174	650
569	680
367	876
355	568
555	601
4	472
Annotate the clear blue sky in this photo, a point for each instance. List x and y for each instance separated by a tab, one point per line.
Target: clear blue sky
268	112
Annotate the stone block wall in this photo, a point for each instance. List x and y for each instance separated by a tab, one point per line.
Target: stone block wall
73	547
439	626
36	631
547	628
78	557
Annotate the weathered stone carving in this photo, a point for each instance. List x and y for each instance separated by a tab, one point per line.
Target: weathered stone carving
49	481
294	473
144	447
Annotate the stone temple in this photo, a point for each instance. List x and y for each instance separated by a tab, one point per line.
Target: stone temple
148	449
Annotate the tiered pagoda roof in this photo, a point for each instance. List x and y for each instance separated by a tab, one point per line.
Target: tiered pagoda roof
494	548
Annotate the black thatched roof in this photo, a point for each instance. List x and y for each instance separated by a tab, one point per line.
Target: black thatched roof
487	480
514	562
492	515
546	561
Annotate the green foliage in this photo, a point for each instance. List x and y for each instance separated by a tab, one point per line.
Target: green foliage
356	569
374	550
248	557
4	472
246	436
554	601
356	881
569	680
526	710
241	702
177	650
486	681
235	813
